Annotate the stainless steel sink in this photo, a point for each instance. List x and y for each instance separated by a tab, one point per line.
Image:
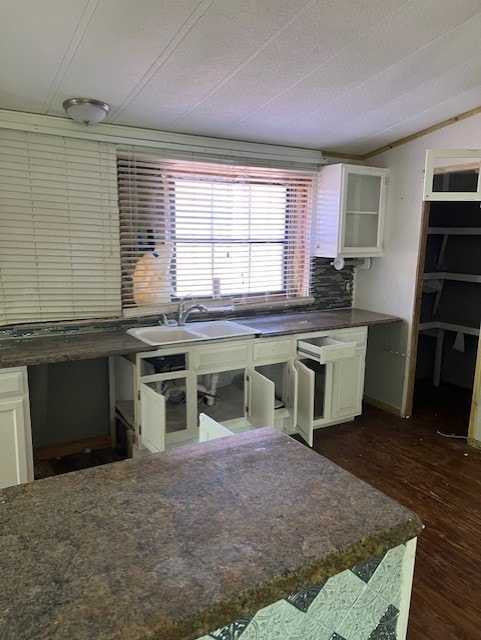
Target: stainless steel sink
160	335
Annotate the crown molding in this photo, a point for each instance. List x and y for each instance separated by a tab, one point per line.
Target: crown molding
118	134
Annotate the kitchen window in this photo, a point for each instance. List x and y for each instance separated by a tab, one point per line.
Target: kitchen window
207	230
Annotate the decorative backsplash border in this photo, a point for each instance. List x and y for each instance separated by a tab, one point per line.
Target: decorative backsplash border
361	603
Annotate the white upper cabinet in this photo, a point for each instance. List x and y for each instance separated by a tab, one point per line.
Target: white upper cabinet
349	220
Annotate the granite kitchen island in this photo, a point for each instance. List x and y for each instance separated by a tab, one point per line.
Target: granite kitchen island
193	542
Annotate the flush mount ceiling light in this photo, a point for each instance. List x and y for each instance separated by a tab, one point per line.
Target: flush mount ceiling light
85	110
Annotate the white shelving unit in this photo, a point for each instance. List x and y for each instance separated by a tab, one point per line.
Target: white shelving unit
442	276
435	284
437	329
455	231
452	184
446	275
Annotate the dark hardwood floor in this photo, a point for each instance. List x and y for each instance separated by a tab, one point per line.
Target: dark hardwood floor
440	479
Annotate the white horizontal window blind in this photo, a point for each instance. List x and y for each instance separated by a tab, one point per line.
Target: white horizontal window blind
59	249
204	230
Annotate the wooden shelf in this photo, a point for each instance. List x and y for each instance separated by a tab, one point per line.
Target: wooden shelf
447	275
448	326
436	330
455	231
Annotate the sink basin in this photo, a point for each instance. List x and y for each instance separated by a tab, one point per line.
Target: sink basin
158	335
164	335
221	329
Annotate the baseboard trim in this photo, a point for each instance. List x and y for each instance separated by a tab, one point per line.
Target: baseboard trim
385	407
474	443
70	448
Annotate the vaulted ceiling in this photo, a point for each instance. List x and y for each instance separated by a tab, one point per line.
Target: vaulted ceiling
342	75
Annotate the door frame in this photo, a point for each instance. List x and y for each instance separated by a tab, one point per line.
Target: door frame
413	348
474	429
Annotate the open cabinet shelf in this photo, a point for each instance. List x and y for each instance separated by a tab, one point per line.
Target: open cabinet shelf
449	307
458	277
455	231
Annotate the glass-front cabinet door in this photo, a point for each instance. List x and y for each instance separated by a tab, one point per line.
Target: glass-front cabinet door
362	211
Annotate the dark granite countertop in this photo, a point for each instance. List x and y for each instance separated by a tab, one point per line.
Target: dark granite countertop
175	545
270	326
79	345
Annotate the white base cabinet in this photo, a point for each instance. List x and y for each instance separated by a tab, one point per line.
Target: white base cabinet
348	376
347	386
297	383
16	459
331	379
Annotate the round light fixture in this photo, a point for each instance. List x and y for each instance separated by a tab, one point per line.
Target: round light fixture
85	110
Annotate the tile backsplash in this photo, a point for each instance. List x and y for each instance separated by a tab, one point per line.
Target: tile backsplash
331	289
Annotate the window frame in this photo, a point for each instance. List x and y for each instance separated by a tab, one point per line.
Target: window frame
212	241
299	198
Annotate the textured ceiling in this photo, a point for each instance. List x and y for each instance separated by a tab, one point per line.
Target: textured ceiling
341	75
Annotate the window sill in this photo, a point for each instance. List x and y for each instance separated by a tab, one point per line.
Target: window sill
221	306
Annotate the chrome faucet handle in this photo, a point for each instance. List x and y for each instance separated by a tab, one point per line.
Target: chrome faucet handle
165	322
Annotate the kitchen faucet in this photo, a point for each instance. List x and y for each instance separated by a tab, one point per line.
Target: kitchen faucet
184	312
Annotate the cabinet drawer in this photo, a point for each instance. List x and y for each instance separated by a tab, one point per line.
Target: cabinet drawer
272	350
217	358
11	383
358	335
325	350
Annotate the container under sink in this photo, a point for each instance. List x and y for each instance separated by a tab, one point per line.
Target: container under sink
161	335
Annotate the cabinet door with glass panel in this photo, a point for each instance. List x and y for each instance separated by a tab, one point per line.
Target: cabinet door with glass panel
349	220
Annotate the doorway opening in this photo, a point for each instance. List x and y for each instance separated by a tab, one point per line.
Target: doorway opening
449	314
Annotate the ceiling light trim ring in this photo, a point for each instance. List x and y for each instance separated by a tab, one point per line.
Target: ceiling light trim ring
86	110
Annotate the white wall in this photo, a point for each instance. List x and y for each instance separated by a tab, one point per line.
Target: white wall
389	286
